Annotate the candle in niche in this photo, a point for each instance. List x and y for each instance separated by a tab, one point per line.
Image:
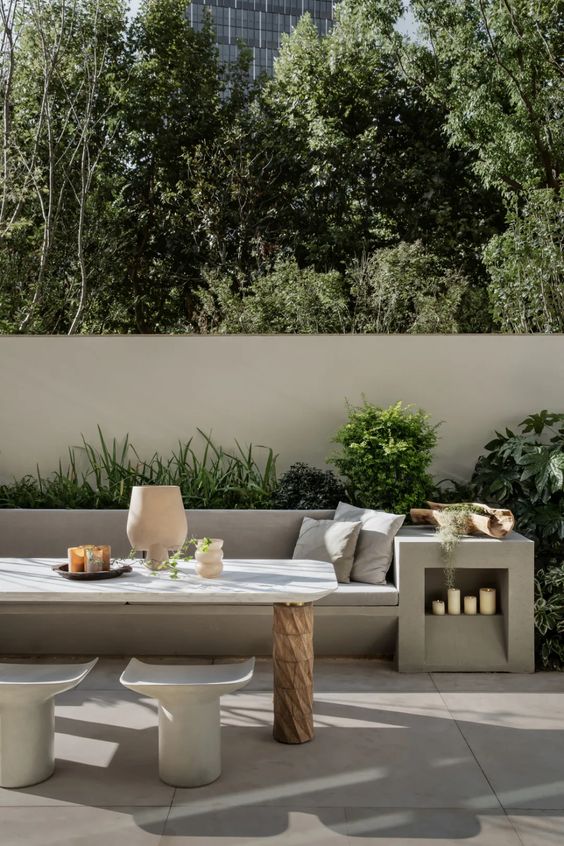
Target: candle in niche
438	607
453	601
487	601
470	605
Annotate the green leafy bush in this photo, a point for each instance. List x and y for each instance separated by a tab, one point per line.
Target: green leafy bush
549	617
102	477
524	471
385	456
406	289
287	299
303	486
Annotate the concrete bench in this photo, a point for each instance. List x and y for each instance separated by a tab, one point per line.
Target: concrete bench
356	620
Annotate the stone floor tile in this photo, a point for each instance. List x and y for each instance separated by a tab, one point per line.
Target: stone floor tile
106	754
539	828
336	675
188	825
423	827
518	740
82	826
386	750
499	682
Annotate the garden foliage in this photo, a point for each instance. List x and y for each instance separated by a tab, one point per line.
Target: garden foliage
102	475
524	470
303	486
385	456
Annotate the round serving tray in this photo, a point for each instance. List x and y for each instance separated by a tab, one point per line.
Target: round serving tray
112	573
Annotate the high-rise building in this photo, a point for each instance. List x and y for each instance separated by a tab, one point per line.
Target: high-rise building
259	24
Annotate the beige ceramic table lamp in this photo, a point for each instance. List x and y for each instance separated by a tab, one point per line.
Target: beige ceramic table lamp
156	522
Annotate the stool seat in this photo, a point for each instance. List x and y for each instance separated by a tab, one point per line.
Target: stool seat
27	718
207	679
189	714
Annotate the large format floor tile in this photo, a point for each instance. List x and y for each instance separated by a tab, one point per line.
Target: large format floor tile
74	826
518	740
258	825
370	750
539	828
447	827
106	754
334	675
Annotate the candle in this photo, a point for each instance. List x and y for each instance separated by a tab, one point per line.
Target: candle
487	600
453	601
79	556
470	605
93	559
438	607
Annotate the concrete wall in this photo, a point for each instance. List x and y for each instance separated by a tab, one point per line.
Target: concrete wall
284	391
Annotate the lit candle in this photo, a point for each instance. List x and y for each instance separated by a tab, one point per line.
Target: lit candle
470	605
438	607
453	601
487	600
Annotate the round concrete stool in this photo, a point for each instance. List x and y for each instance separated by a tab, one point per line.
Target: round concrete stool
189	715
27	718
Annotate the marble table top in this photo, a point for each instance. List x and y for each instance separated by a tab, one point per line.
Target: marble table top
245	582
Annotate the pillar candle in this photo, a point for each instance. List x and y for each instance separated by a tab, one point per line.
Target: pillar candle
438	607
487	600
453	601
470	605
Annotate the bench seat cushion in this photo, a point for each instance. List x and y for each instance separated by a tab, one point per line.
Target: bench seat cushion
359	593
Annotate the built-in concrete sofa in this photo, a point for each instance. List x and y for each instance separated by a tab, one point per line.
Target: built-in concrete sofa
357	620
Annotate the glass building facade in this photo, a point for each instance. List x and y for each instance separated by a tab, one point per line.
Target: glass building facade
259	24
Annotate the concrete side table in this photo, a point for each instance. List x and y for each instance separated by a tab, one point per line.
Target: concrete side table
503	642
27	718
189	716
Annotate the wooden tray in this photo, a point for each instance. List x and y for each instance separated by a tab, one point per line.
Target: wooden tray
112	573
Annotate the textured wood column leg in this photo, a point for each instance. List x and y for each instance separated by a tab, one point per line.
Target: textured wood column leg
292	655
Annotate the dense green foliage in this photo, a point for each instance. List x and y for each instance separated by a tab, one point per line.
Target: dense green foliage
524	470
549	617
376	182
385	456
102	477
146	188
303	486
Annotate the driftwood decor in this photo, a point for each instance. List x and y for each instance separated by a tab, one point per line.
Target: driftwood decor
494	522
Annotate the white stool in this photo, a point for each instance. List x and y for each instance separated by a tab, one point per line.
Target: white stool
189	715
27	718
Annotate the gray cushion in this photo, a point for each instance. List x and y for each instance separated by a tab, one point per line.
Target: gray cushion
326	540
356	594
375	545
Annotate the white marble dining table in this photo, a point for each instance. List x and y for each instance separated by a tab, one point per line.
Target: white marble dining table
290	586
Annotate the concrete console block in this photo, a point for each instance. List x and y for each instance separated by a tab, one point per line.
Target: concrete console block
498	643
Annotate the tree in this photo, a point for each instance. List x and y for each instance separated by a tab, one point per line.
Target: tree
526	265
286	300
173	104
406	289
59	101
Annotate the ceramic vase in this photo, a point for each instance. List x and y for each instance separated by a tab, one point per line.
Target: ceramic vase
156	522
209	563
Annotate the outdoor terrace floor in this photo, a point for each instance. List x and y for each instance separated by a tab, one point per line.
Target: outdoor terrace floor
397	759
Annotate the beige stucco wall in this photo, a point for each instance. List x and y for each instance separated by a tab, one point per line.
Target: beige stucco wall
283	391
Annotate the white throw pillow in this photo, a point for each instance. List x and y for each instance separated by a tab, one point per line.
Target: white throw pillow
326	540
375	546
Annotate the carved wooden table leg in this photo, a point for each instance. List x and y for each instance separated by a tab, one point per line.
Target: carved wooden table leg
292	655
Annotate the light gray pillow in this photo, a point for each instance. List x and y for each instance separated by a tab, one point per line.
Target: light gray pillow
375	546
326	540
